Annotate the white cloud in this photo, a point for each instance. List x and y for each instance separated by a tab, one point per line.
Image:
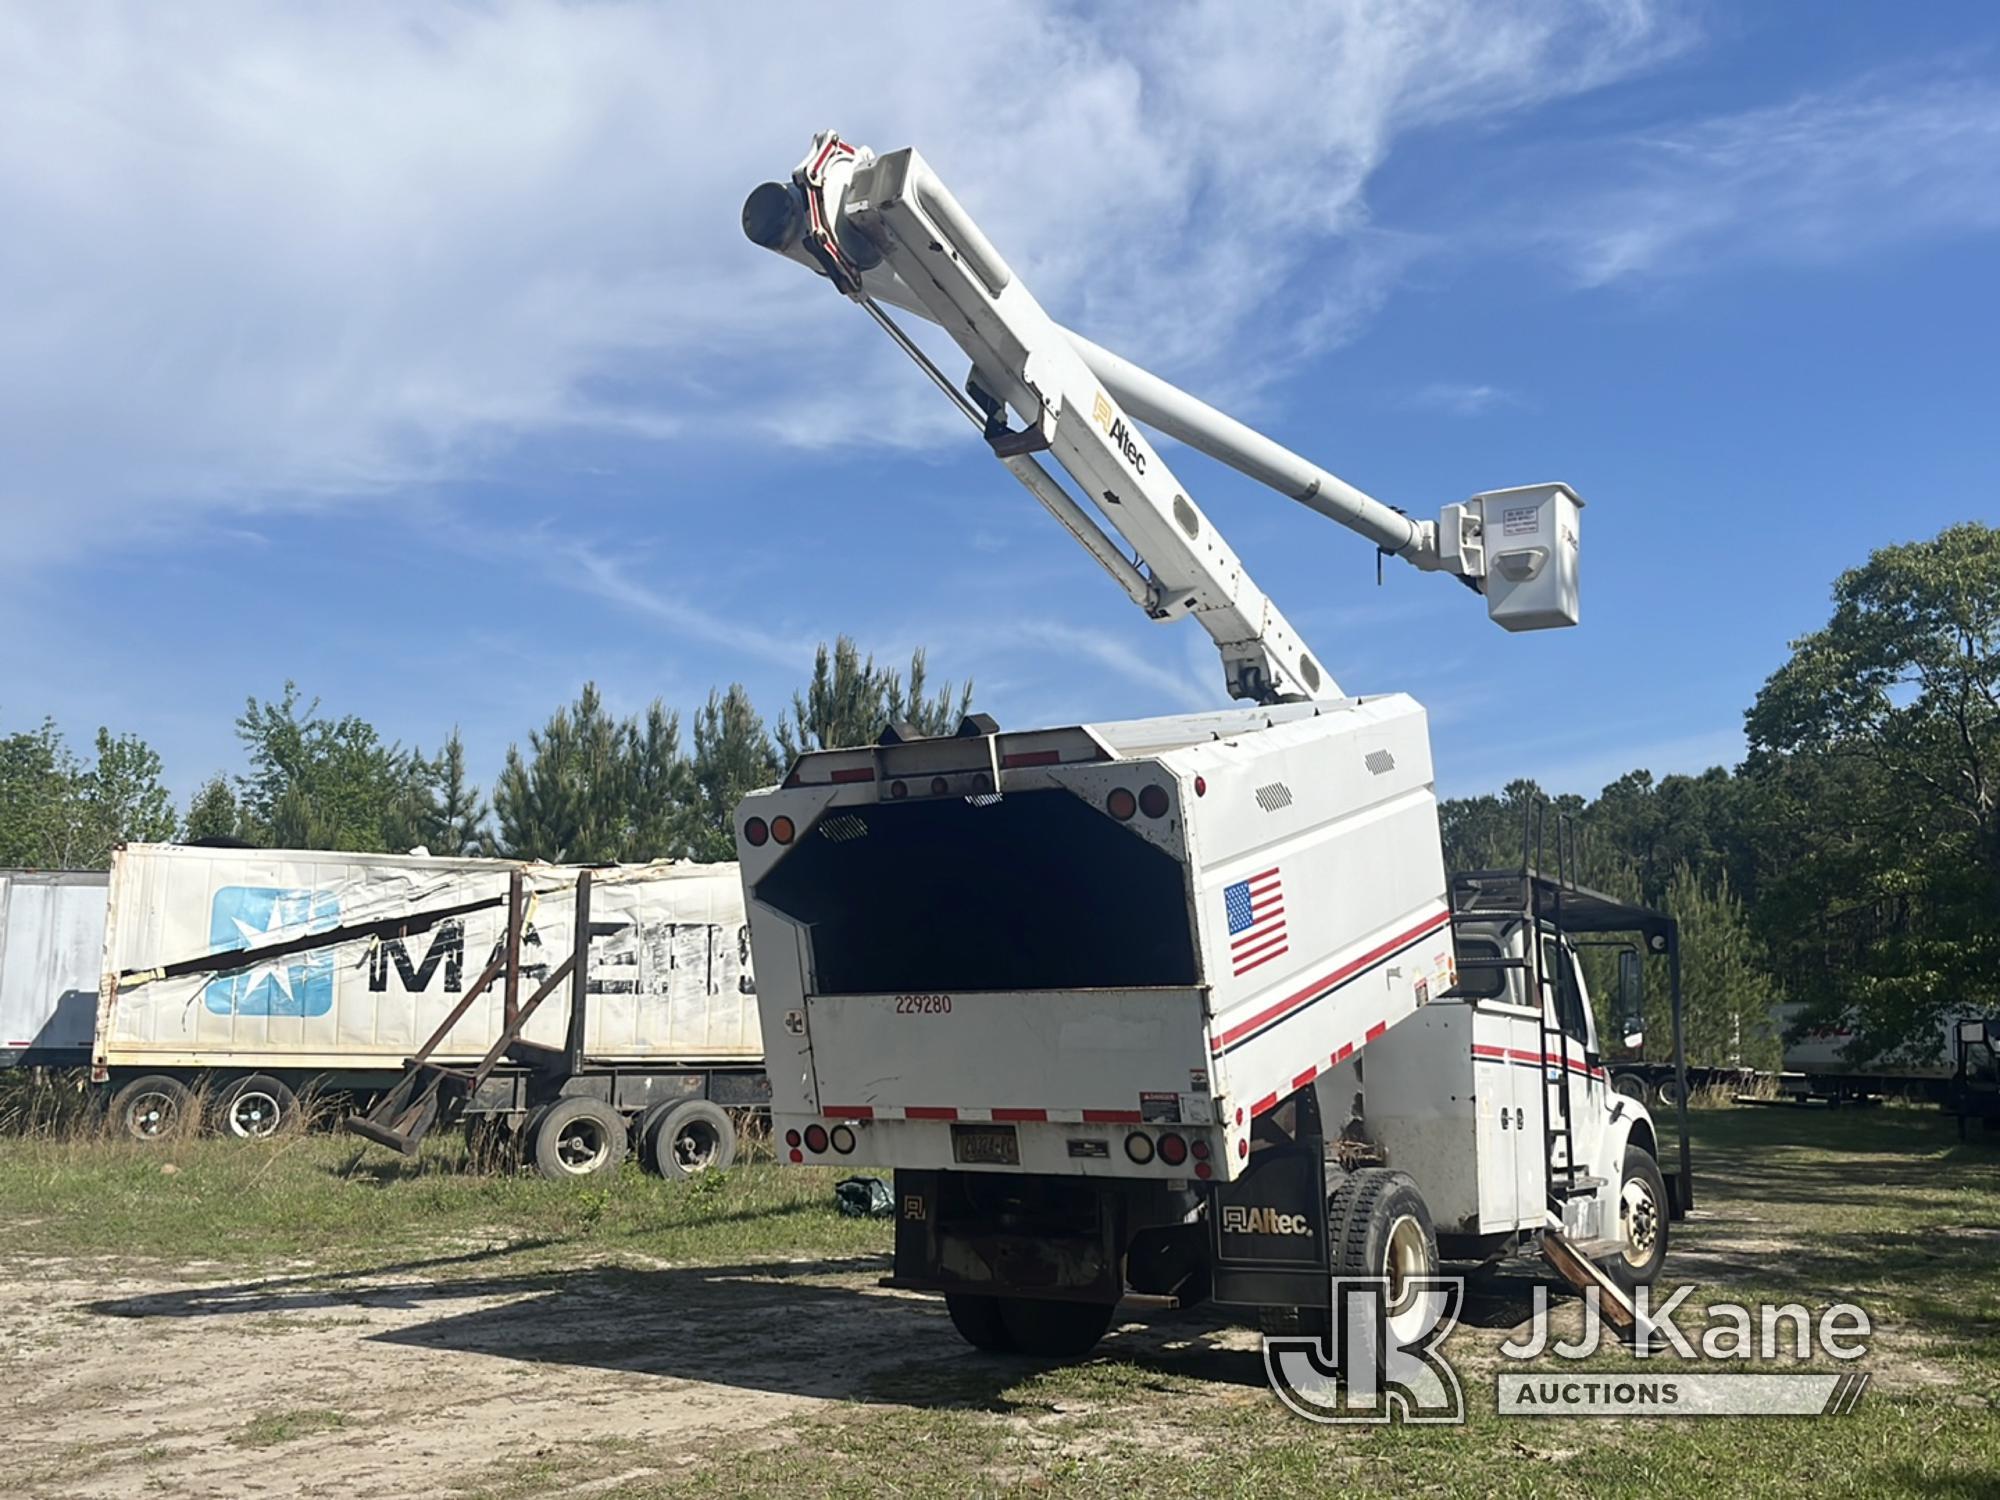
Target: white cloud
1819	179
1462	398
273	256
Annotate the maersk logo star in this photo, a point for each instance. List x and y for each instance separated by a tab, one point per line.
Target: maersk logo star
253	917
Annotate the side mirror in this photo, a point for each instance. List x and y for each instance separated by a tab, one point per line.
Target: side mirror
1631	1016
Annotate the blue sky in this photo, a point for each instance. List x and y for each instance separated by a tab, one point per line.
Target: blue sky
414	352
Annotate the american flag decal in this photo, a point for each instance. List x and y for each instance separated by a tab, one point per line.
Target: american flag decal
1256	909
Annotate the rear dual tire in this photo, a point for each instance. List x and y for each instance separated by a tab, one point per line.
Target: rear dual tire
1046	1327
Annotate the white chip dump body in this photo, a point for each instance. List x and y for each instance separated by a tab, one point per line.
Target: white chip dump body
1005	952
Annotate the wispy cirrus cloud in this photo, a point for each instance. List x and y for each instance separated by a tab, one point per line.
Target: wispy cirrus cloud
275	257
1820	178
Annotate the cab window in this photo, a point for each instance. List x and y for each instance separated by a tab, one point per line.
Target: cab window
1560	966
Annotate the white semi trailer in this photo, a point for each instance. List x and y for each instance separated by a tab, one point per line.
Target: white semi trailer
1179	1008
258	976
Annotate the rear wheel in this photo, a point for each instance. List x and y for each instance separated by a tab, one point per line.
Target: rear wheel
1045	1326
977	1320
1642	1222
1379	1225
255	1108
690	1138
578	1138
152	1108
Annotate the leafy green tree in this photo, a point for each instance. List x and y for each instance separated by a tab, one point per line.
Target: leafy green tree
212	812
317	782
732	756
594	788
58	813
850	701
1727	994
455	822
1875	761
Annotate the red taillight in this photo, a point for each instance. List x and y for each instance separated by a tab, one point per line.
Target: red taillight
1203	1170
843	1139
815	1137
1242	1148
1173	1150
899	789
939	786
1153	802
1201	786
782	830
755	832
797	1155
791	1137
1200	1149
1121	804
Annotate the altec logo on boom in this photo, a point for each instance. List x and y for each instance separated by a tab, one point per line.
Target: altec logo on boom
1121	435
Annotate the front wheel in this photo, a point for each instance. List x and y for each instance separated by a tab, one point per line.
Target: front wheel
1642	1222
152	1108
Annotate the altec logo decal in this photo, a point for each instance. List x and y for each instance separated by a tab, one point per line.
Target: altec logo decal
293	984
1121	435
1243	1218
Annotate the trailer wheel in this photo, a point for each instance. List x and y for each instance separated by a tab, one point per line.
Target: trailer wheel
255	1108
1631	1085
1379	1225
690	1138
578	1137
1642	1222
977	1320
152	1108
1667	1092
1052	1328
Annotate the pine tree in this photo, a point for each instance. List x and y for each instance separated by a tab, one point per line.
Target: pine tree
212	812
732	756
456	819
850	701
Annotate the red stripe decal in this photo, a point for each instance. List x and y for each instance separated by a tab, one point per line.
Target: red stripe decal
929	1112
1374	1031
1031	758
1259	962
1305	1078
1111	1116
1264	1105
1346	1051
849	1111
1265	876
1320	986
1020	1114
854	773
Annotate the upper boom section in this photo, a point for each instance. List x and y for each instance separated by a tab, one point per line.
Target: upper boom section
886	230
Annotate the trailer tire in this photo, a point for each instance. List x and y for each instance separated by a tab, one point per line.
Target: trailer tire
254	1108
1631	1085
1667	1092
578	1137
688	1139
978	1322
152	1108
1053	1328
1642	1222
1378	1224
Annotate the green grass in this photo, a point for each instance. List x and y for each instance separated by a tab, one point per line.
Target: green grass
1882	1207
276	1427
256	1204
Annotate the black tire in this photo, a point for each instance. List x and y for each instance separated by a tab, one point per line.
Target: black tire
578	1138
690	1138
254	1108
152	1108
1667	1092
1054	1329
1379	1225
977	1320
1631	1085
1642	1222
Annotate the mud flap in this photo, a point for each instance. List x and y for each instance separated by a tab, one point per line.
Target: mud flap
1267	1231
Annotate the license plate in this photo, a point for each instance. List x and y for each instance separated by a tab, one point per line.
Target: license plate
985	1146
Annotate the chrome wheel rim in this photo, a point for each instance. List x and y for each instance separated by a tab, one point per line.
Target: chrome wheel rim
254	1115
1638	1220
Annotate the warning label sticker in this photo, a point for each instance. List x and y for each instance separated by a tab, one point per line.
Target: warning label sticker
1520	520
